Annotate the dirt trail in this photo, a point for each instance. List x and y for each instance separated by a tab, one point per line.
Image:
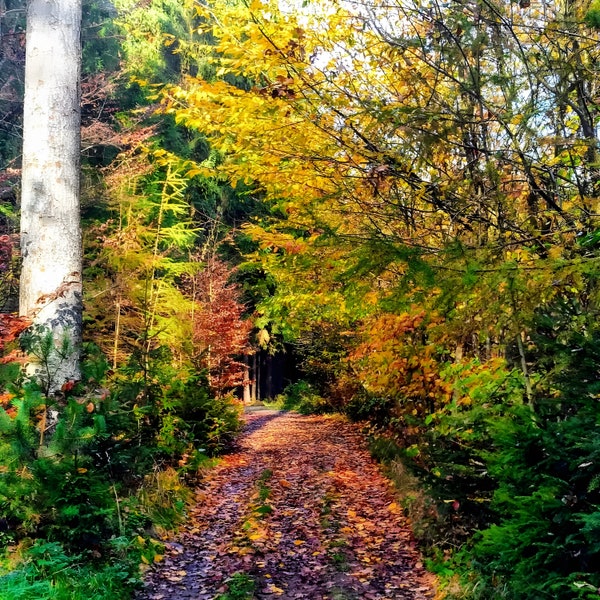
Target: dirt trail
300	509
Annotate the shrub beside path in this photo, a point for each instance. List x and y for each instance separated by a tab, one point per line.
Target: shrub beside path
299	510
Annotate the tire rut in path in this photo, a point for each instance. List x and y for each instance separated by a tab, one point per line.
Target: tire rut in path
303	510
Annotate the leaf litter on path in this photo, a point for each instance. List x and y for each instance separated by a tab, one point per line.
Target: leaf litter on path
300	509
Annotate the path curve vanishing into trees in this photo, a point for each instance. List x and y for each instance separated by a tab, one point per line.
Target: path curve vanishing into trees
300	510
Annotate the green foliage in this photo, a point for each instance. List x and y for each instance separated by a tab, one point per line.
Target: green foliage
415	188
263	489
321	354
240	586
368	407
547	537
525	474
78	502
47	483
59	508
47	354
550	493
100	42
174	410
141	257
303	398
213	422
592	16
155	36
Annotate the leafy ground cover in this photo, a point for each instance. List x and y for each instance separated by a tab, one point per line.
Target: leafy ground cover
299	510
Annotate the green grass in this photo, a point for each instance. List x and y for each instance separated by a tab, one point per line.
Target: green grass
74	582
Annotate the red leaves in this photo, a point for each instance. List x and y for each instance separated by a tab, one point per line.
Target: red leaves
220	332
68	386
11	328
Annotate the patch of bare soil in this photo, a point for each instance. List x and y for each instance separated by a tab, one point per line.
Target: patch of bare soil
302	510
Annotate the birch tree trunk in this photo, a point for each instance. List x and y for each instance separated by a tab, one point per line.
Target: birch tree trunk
51	277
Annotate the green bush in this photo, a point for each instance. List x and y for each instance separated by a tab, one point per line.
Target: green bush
592	16
87	475
174	409
546	542
366	407
212	423
303	398
542	538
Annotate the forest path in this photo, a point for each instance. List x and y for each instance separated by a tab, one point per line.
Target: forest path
301	510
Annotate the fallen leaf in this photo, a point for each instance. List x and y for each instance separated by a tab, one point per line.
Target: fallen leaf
393	507
276	590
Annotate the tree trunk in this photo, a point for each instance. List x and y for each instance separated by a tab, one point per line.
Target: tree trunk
51	279
256	396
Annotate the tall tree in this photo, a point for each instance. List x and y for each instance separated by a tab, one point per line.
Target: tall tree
51	278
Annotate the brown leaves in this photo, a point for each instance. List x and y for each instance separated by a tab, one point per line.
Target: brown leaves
333	531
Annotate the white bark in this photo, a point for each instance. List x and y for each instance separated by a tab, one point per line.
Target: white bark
51	277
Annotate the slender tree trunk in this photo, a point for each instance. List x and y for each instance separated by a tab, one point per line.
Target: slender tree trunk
254	378
269	376
247	393
257	378
115	361
525	369
51	277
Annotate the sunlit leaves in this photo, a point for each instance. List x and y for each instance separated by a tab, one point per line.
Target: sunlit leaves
415	153
396	360
144	253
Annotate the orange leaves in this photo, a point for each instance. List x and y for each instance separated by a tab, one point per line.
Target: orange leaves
11	326
394	508
5	399
397	360
277	240
5	403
